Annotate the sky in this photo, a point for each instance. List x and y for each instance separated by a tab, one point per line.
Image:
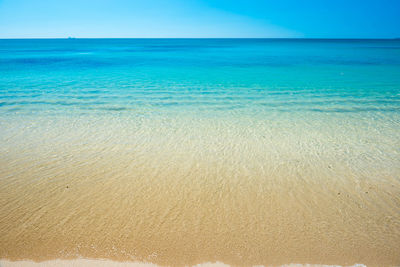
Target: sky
200	18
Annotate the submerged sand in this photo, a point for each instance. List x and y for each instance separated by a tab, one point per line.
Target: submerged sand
183	192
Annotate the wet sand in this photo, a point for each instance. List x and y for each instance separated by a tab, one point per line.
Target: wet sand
107	263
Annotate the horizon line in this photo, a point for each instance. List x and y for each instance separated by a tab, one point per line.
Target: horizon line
280	38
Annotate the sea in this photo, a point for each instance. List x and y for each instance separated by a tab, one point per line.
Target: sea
184	151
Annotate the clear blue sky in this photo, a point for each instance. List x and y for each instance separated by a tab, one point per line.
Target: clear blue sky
200	18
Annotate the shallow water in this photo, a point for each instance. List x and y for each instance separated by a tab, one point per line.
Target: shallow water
181	151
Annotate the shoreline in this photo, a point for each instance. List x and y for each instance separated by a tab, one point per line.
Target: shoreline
110	263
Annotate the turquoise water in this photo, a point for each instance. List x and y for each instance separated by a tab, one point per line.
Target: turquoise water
199	75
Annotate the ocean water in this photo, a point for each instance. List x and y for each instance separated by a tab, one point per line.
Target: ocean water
185	151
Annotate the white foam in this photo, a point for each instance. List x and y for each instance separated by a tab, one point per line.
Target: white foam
109	263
